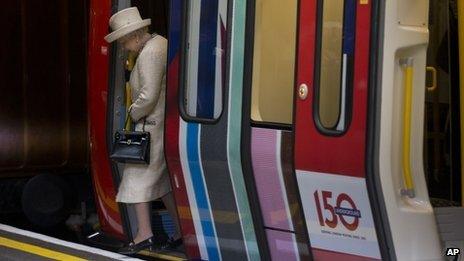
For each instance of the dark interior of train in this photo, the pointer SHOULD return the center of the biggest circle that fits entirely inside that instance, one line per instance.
(442, 121)
(158, 12)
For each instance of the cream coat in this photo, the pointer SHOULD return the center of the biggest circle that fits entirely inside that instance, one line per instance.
(143, 183)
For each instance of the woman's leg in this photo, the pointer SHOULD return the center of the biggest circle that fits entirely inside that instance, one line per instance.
(144, 231)
(168, 201)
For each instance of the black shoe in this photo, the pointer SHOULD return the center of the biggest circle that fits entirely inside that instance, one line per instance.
(172, 244)
(133, 248)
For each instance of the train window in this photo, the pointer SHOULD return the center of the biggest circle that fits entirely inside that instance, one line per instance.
(204, 59)
(274, 61)
(335, 56)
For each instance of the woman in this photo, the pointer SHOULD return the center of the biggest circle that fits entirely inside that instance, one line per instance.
(144, 183)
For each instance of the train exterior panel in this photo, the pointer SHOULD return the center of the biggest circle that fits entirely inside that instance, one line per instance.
(274, 178)
(314, 179)
(206, 158)
(102, 172)
(43, 108)
(330, 164)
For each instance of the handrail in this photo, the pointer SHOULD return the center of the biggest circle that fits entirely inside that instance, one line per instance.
(434, 78)
(407, 66)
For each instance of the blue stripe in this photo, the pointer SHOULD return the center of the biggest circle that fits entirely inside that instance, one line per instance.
(349, 24)
(207, 58)
(200, 191)
(174, 30)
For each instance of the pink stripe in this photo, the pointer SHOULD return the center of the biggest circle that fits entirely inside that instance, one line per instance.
(282, 245)
(263, 148)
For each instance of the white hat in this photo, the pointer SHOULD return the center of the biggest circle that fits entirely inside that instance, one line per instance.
(125, 22)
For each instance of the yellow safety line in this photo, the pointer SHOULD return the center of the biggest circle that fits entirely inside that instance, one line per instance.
(461, 87)
(408, 84)
(162, 256)
(36, 250)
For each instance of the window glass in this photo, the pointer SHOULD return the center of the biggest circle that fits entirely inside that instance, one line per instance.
(205, 58)
(336, 61)
(274, 61)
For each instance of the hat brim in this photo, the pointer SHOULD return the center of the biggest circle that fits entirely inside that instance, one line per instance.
(113, 36)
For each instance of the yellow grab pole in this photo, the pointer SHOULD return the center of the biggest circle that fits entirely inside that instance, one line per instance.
(407, 65)
(434, 78)
(461, 87)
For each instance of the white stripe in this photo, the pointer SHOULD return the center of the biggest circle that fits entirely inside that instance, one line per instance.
(200, 162)
(218, 73)
(59, 242)
(190, 189)
(193, 42)
(281, 179)
(222, 9)
(222, 13)
(341, 122)
(295, 247)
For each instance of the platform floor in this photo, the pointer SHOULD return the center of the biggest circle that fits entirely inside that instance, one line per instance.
(18, 244)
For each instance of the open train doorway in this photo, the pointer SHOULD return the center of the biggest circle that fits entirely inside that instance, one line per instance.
(121, 65)
(442, 124)
(441, 128)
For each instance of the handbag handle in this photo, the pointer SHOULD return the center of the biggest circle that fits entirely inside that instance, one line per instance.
(127, 120)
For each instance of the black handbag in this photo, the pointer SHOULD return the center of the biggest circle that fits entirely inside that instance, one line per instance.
(131, 146)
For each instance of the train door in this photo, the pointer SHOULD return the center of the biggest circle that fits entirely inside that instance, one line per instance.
(353, 145)
(103, 181)
(109, 68)
(331, 129)
(204, 105)
(267, 131)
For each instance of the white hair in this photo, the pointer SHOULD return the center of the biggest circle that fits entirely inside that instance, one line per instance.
(139, 33)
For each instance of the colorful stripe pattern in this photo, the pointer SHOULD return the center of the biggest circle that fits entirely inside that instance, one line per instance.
(272, 152)
(205, 165)
(267, 170)
(197, 190)
(172, 134)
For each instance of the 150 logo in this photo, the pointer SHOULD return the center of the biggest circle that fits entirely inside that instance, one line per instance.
(344, 207)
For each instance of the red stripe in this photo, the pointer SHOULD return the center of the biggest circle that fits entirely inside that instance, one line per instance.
(97, 107)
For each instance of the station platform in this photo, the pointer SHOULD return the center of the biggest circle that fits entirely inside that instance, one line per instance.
(18, 244)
